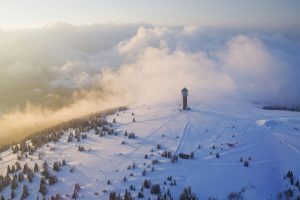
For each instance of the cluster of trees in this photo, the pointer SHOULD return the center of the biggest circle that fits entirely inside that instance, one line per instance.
(54, 133)
(294, 184)
(154, 189)
(166, 154)
(47, 176)
(30, 144)
(81, 148)
(131, 136)
(14, 168)
(279, 107)
(4, 181)
(246, 162)
(235, 196)
(186, 156)
(187, 194)
(16, 177)
(174, 158)
(133, 166)
(44, 137)
(114, 196)
(110, 131)
(155, 161)
(24, 147)
(78, 135)
(58, 164)
(4, 147)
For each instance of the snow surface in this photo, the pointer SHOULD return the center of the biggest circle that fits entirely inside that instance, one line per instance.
(270, 138)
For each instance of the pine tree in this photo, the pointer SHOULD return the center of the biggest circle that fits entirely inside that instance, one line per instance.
(144, 172)
(20, 177)
(36, 167)
(76, 190)
(25, 192)
(140, 195)
(45, 171)
(14, 183)
(12, 194)
(45, 164)
(52, 180)
(15, 149)
(30, 175)
(7, 180)
(25, 168)
(18, 166)
(13, 169)
(127, 195)
(43, 189)
(8, 169)
(297, 183)
(146, 184)
(56, 166)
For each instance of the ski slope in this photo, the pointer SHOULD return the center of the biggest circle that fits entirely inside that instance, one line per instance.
(234, 130)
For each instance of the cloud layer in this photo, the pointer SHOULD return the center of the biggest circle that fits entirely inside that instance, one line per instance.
(63, 71)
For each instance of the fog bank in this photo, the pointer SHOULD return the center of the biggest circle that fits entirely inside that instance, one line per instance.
(63, 71)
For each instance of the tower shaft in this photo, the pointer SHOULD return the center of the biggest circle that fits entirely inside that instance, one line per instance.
(184, 105)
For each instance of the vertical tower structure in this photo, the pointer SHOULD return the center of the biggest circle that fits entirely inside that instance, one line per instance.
(184, 93)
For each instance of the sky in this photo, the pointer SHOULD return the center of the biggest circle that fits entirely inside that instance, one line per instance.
(24, 13)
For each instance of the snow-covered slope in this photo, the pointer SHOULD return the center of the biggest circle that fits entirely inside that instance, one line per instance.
(269, 140)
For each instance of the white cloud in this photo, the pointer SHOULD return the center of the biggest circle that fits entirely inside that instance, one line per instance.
(127, 64)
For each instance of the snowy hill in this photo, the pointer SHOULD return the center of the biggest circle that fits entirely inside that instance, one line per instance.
(222, 139)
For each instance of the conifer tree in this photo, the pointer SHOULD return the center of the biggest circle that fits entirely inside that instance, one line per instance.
(12, 194)
(43, 189)
(20, 177)
(36, 167)
(14, 183)
(25, 192)
(8, 169)
(30, 175)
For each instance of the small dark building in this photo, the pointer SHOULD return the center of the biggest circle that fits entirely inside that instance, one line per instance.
(184, 92)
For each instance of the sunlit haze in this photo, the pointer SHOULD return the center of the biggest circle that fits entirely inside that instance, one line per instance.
(27, 13)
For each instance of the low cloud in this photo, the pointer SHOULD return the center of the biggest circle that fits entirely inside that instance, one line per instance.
(18, 124)
(66, 71)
